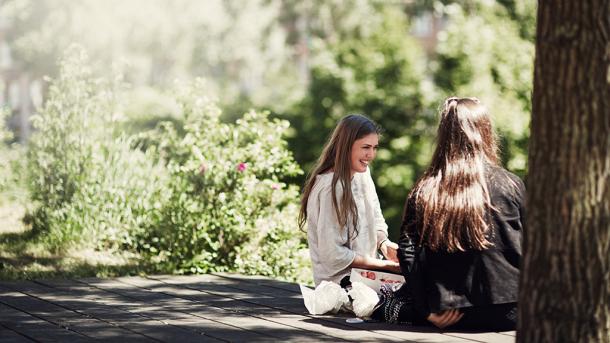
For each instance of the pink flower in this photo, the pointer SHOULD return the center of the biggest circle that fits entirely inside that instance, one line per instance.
(275, 186)
(242, 166)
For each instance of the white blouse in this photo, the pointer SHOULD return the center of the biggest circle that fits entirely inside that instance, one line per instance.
(332, 248)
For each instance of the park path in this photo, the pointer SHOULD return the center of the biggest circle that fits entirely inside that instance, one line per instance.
(198, 308)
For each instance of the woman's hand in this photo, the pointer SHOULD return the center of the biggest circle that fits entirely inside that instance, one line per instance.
(445, 318)
(375, 263)
(389, 250)
(392, 266)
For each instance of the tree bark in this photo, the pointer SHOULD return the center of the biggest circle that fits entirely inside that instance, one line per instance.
(565, 279)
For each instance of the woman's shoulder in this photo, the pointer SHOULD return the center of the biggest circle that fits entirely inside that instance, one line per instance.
(324, 179)
(504, 181)
(501, 172)
(323, 183)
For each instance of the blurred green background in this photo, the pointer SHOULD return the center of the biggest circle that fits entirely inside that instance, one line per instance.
(124, 137)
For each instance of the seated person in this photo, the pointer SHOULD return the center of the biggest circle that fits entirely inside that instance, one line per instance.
(460, 242)
(345, 226)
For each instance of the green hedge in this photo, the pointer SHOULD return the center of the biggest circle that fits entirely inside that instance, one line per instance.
(204, 196)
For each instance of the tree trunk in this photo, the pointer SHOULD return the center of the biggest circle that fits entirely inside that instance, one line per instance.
(565, 279)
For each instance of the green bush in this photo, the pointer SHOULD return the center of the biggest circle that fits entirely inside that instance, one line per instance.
(228, 209)
(89, 188)
(192, 196)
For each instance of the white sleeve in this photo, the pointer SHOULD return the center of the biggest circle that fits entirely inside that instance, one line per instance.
(332, 240)
(381, 227)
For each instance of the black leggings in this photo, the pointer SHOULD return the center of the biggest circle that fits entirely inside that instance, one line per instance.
(398, 307)
(498, 317)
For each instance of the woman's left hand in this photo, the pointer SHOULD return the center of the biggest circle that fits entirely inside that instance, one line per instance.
(445, 318)
(389, 250)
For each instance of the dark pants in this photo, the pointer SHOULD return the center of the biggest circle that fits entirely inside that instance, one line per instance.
(498, 317)
(399, 307)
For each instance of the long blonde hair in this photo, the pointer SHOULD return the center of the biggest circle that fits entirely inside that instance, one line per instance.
(452, 197)
(336, 156)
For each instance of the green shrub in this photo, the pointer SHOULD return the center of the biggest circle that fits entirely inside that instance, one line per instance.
(90, 188)
(277, 250)
(205, 196)
(228, 209)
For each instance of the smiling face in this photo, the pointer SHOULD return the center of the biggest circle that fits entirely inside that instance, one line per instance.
(363, 152)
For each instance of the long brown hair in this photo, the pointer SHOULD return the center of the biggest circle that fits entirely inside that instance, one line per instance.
(452, 197)
(336, 156)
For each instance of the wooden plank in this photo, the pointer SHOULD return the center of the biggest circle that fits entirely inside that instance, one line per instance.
(246, 292)
(175, 310)
(7, 335)
(197, 308)
(256, 309)
(232, 297)
(483, 337)
(247, 282)
(386, 331)
(248, 317)
(209, 283)
(31, 298)
(296, 321)
(120, 315)
(263, 281)
(201, 325)
(36, 328)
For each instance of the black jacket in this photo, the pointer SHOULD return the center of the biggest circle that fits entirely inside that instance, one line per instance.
(441, 280)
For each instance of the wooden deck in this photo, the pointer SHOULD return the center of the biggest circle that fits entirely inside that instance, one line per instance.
(201, 308)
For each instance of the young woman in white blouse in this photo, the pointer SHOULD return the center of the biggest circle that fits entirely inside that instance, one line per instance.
(345, 226)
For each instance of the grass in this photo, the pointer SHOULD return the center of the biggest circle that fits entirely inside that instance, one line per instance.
(22, 256)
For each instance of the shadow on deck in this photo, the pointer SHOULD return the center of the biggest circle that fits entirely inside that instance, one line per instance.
(198, 308)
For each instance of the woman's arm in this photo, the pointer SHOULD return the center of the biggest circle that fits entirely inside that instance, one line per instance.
(409, 237)
(387, 248)
(375, 263)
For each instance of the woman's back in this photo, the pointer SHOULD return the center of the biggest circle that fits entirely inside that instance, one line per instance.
(472, 277)
(460, 244)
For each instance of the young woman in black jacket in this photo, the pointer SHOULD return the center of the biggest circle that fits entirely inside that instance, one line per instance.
(460, 242)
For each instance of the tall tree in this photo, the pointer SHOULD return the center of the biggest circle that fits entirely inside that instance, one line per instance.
(565, 282)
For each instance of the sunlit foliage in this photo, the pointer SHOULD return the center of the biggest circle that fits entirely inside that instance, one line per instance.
(97, 180)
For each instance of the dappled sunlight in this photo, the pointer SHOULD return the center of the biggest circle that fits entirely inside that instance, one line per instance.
(225, 307)
(174, 136)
